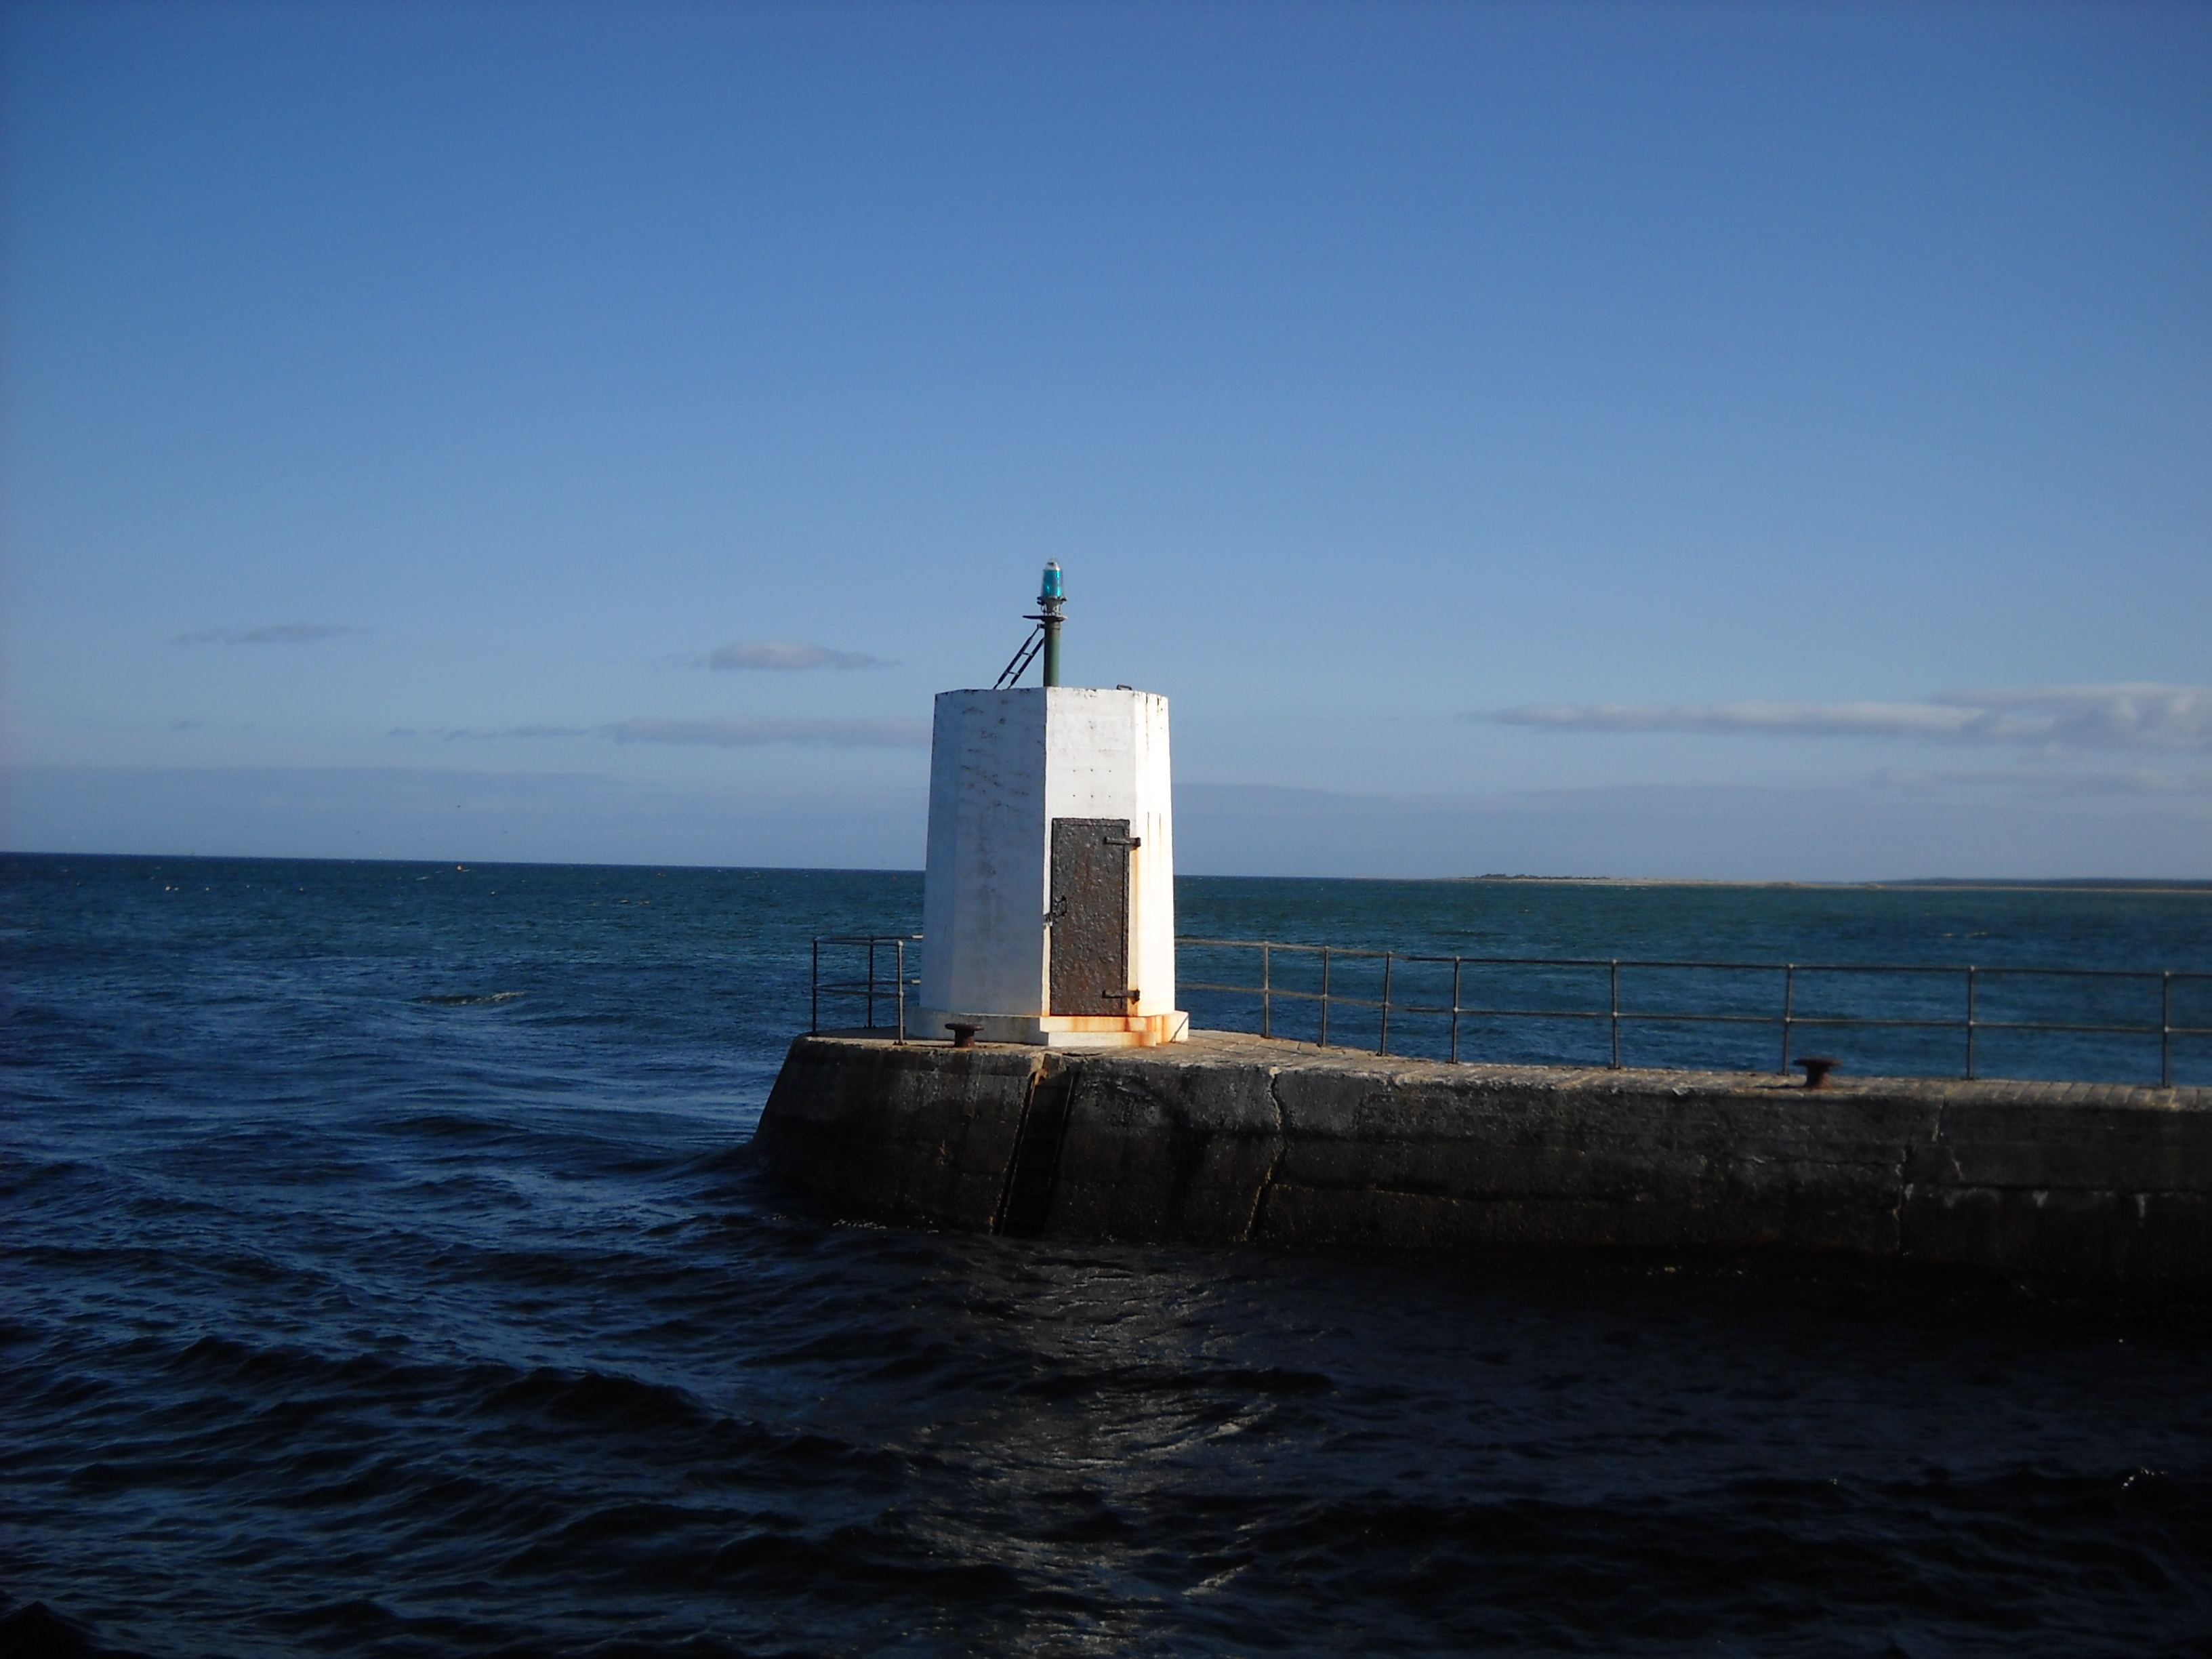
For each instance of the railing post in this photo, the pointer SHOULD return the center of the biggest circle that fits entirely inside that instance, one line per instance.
(1324, 996)
(1267, 994)
(814, 994)
(1969, 1022)
(1455, 967)
(901, 991)
(1383, 1042)
(1613, 973)
(2165, 1030)
(872, 981)
(1789, 1009)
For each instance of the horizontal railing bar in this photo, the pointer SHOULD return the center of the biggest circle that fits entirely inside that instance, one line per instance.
(1529, 1013)
(1277, 990)
(2095, 972)
(1276, 944)
(2038, 1025)
(1397, 1006)
(1655, 1014)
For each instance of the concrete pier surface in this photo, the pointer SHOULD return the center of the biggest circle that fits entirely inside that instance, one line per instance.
(1229, 1139)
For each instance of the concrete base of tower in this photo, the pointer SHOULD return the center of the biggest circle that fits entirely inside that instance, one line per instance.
(1061, 1031)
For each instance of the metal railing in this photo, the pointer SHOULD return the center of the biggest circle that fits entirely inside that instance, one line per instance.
(1788, 1019)
(891, 987)
(886, 981)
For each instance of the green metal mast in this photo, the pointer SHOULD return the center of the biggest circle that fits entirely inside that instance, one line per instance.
(1049, 602)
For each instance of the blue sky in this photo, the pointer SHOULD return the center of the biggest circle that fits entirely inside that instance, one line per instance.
(1717, 441)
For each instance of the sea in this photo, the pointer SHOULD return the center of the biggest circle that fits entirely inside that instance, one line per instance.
(384, 1271)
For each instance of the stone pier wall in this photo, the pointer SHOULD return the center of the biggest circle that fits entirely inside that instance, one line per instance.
(1229, 1138)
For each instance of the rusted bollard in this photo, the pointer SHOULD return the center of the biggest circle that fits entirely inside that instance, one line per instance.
(963, 1035)
(1817, 1067)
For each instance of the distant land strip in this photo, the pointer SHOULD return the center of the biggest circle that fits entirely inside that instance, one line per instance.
(1953, 884)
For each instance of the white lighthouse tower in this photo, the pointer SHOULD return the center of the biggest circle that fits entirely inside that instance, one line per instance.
(1049, 906)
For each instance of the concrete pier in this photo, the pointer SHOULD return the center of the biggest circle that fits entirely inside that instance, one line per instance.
(1229, 1139)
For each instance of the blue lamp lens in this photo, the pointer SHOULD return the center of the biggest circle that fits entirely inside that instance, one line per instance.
(1052, 588)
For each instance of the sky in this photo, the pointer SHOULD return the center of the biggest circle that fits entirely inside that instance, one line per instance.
(1734, 442)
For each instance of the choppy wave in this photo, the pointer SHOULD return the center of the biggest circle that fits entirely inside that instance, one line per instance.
(330, 1326)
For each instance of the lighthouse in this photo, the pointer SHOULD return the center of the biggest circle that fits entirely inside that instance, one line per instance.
(1049, 904)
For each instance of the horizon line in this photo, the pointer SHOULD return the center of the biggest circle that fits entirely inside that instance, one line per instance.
(1954, 884)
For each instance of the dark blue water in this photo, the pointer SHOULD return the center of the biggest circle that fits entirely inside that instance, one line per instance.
(383, 1274)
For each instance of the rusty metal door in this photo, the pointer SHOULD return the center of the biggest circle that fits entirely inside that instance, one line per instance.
(1091, 915)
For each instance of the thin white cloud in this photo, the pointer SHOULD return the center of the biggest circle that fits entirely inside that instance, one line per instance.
(293, 632)
(456, 733)
(1857, 718)
(787, 656)
(2140, 716)
(748, 733)
(731, 733)
(450, 733)
(2054, 718)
